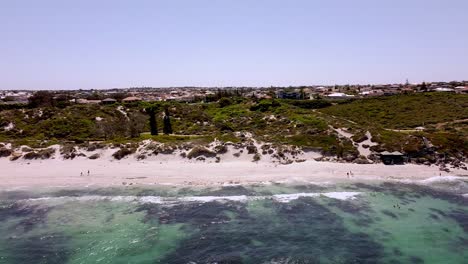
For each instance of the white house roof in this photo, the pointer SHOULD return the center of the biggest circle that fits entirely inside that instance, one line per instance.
(340, 95)
(441, 89)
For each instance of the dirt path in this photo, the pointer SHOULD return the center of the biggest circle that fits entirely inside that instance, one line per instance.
(440, 125)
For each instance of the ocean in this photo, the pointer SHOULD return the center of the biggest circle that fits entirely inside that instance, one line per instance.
(352, 222)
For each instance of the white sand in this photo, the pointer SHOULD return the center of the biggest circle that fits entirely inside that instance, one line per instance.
(177, 171)
(172, 169)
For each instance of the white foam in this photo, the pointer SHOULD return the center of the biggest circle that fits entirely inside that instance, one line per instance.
(342, 195)
(442, 179)
(151, 199)
(205, 199)
(437, 179)
(284, 198)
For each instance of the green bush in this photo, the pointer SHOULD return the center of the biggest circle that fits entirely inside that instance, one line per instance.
(265, 105)
(308, 104)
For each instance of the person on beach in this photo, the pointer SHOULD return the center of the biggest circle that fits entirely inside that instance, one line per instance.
(88, 172)
(81, 173)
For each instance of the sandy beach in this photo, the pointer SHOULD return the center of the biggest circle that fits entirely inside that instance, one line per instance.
(103, 172)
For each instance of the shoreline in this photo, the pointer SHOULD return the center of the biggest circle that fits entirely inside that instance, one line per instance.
(129, 172)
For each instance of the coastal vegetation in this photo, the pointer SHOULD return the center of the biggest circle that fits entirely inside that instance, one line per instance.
(415, 124)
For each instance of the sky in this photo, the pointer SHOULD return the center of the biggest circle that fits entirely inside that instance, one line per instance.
(98, 44)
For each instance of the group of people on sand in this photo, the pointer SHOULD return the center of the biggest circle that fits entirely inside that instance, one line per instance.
(81, 173)
(350, 174)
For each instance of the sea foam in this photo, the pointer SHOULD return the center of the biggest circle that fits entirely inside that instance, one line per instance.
(283, 198)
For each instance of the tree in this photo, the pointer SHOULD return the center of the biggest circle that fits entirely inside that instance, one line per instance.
(151, 109)
(153, 123)
(136, 124)
(119, 96)
(167, 128)
(62, 100)
(223, 102)
(41, 99)
(95, 96)
(424, 87)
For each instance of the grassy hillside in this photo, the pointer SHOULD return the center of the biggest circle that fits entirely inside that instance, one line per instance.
(392, 121)
(404, 111)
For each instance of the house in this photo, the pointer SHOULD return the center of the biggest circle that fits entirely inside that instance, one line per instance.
(443, 89)
(340, 96)
(389, 92)
(391, 158)
(461, 89)
(109, 101)
(131, 99)
(284, 94)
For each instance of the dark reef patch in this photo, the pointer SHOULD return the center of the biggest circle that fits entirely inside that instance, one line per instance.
(250, 238)
(25, 248)
(461, 217)
(360, 210)
(440, 212)
(397, 252)
(228, 191)
(193, 213)
(29, 216)
(416, 260)
(44, 249)
(16, 195)
(309, 188)
(434, 216)
(390, 214)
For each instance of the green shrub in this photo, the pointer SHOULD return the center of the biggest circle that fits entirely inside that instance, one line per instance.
(200, 151)
(265, 105)
(308, 104)
(123, 152)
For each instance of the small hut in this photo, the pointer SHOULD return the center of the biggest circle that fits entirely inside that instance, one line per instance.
(391, 158)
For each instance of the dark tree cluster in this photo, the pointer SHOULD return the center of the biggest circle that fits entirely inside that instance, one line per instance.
(167, 127)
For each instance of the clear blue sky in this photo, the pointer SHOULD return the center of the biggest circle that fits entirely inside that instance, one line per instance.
(59, 44)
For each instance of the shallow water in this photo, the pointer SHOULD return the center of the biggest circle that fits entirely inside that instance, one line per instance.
(296, 223)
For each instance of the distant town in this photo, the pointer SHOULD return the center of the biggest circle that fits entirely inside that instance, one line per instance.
(203, 94)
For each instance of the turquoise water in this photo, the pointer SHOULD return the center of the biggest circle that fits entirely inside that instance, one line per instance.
(343, 223)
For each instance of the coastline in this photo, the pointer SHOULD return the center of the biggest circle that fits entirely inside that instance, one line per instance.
(56, 173)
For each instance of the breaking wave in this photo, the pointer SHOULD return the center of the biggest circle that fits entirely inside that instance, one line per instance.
(283, 198)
